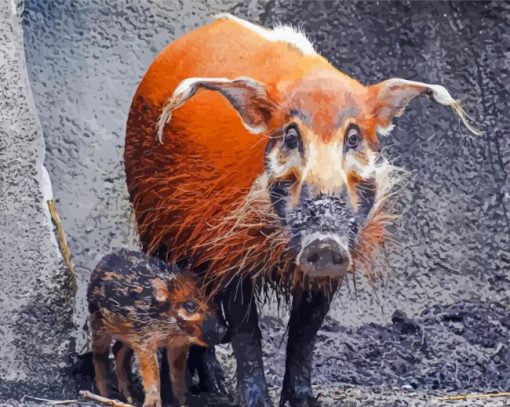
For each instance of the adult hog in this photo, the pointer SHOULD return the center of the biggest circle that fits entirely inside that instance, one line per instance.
(252, 157)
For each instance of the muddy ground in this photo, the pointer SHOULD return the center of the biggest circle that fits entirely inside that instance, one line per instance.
(458, 349)
(439, 323)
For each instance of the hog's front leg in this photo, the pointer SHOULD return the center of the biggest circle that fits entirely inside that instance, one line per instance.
(242, 318)
(308, 311)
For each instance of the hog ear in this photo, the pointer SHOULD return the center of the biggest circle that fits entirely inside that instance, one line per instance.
(247, 96)
(160, 290)
(392, 96)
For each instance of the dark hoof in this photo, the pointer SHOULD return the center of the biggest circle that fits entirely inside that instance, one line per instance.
(195, 389)
(259, 402)
(252, 392)
(299, 401)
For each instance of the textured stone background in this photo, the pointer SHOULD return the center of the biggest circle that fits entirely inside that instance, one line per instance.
(85, 59)
(36, 295)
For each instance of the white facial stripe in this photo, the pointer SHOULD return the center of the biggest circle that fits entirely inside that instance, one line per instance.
(188, 317)
(328, 168)
(362, 169)
(277, 169)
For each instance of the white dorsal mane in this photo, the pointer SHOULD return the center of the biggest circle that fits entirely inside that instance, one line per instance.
(283, 33)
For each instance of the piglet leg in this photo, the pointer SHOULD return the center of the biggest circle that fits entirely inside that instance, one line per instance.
(149, 370)
(100, 350)
(177, 354)
(122, 369)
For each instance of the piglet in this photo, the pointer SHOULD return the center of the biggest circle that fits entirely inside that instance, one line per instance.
(144, 305)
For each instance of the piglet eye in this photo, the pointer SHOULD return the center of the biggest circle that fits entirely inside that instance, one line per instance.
(291, 137)
(353, 138)
(190, 306)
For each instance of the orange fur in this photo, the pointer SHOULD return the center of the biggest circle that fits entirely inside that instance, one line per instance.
(191, 194)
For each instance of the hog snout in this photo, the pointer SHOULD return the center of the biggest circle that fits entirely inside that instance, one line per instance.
(322, 255)
(324, 230)
(213, 330)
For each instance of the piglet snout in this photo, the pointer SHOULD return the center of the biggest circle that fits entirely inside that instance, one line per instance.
(213, 331)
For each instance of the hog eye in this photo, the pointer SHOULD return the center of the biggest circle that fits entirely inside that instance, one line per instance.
(291, 137)
(353, 139)
(190, 306)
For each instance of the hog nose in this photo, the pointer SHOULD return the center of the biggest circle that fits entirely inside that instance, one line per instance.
(324, 258)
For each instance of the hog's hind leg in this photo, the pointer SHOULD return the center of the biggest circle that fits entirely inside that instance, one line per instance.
(242, 318)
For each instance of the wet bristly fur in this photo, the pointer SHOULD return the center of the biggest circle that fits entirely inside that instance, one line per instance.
(251, 242)
(201, 193)
(374, 231)
(238, 234)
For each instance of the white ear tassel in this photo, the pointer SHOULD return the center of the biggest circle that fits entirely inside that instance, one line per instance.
(464, 117)
(441, 95)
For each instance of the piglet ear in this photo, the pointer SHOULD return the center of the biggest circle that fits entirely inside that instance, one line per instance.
(160, 290)
(247, 96)
(391, 97)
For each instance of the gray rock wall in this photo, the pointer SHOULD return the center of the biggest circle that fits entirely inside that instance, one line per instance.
(37, 297)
